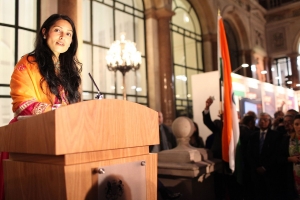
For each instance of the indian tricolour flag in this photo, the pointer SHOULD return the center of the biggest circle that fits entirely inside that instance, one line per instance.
(230, 132)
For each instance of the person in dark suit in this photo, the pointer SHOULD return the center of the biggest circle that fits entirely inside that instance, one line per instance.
(262, 154)
(220, 179)
(166, 141)
(216, 128)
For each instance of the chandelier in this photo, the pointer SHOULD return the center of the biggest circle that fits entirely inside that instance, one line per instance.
(122, 56)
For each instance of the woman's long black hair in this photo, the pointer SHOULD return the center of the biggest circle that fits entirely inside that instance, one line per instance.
(70, 68)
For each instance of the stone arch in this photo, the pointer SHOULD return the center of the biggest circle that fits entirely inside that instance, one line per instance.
(296, 41)
(206, 16)
(238, 26)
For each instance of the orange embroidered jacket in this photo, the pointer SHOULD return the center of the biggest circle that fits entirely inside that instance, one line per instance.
(26, 92)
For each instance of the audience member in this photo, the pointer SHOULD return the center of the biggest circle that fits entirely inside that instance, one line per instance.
(195, 139)
(288, 157)
(278, 121)
(252, 113)
(292, 112)
(166, 141)
(288, 125)
(166, 137)
(262, 154)
(294, 152)
(217, 130)
(247, 129)
(210, 139)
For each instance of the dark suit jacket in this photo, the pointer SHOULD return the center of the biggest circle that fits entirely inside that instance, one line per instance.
(216, 147)
(268, 156)
(170, 138)
(285, 173)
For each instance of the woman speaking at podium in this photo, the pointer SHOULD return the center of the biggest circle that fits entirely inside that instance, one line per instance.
(47, 77)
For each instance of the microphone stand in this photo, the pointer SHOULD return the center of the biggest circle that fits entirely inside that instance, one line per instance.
(99, 95)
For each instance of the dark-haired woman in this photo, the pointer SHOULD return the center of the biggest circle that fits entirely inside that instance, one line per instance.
(289, 161)
(49, 76)
(195, 139)
(294, 153)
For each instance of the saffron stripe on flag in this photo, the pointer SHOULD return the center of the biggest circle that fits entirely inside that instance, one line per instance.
(230, 132)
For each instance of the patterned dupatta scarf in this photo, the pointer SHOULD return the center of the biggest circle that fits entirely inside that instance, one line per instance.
(26, 92)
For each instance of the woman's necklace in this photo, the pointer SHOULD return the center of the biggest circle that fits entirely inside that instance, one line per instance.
(57, 66)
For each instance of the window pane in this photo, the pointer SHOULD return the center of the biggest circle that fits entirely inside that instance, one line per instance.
(131, 99)
(7, 49)
(138, 4)
(27, 13)
(190, 72)
(180, 82)
(182, 4)
(142, 100)
(140, 35)
(124, 24)
(183, 19)
(128, 2)
(88, 96)
(86, 22)
(199, 56)
(141, 75)
(103, 77)
(195, 22)
(5, 111)
(190, 49)
(26, 42)
(86, 67)
(102, 25)
(4, 90)
(178, 50)
(7, 12)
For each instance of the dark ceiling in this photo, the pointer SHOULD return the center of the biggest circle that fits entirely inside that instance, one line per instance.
(269, 4)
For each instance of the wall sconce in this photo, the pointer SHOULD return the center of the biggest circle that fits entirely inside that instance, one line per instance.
(122, 56)
(244, 65)
(264, 72)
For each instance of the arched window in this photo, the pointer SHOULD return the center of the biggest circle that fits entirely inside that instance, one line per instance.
(18, 25)
(187, 54)
(103, 23)
(232, 46)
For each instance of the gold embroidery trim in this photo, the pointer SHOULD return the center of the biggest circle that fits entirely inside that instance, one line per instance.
(24, 106)
(39, 108)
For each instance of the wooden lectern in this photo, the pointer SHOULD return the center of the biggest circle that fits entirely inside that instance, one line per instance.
(56, 155)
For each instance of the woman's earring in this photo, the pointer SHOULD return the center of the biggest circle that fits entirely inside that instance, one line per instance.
(44, 36)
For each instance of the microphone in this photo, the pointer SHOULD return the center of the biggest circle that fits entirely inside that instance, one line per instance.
(99, 95)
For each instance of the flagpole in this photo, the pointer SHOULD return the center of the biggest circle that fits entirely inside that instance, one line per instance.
(220, 65)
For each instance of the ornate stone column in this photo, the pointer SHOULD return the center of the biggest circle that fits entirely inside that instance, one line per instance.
(295, 73)
(166, 74)
(268, 66)
(153, 59)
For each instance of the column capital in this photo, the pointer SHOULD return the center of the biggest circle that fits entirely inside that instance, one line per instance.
(293, 55)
